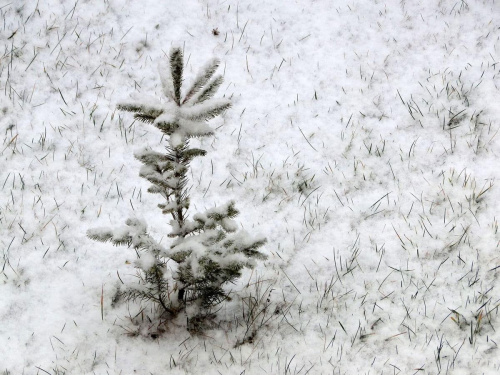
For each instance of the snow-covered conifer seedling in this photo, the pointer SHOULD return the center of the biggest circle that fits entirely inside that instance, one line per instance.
(209, 250)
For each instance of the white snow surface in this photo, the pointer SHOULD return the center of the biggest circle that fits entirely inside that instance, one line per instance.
(362, 143)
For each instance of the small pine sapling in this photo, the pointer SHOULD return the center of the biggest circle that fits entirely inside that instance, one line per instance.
(209, 249)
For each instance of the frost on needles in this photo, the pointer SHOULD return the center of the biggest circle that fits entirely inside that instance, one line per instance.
(208, 249)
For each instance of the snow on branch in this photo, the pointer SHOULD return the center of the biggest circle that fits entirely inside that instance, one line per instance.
(133, 234)
(185, 119)
(206, 111)
(202, 78)
(209, 91)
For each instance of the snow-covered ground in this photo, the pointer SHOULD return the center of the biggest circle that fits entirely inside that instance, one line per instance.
(362, 142)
